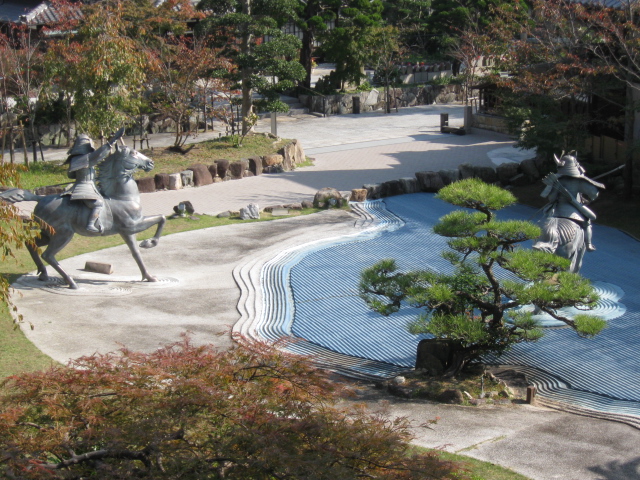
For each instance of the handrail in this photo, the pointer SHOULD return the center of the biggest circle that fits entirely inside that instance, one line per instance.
(324, 99)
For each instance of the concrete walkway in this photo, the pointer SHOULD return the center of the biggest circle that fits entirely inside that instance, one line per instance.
(198, 292)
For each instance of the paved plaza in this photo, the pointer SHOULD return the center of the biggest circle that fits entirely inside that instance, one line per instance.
(246, 276)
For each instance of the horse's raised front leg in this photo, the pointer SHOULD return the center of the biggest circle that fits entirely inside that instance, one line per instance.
(57, 242)
(130, 240)
(148, 222)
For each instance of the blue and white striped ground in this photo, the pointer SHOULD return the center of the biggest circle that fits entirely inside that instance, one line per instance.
(311, 294)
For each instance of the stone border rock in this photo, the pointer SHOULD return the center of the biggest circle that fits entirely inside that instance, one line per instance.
(287, 158)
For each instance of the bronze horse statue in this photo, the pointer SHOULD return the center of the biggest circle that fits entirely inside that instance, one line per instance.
(60, 218)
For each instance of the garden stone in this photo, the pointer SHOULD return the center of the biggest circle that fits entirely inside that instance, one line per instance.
(358, 195)
(429, 181)
(486, 174)
(521, 180)
(327, 197)
(201, 175)
(449, 176)
(255, 165)
(223, 167)
(237, 169)
(451, 396)
(373, 191)
(506, 171)
(175, 181)
(391, 188)
(307, 204)
(213, 170)
(466, 171)
(187, 178)
(272, 159)
(251, 211)
(162, 181)
(146, 184)
(433, 355)
(409, 185)
(529, 168)
(226, 214)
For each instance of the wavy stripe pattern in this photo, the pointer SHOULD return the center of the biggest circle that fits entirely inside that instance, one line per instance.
(309, 294)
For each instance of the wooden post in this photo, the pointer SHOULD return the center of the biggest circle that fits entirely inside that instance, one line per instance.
(24, 145)
(531, 394)
(4, 138)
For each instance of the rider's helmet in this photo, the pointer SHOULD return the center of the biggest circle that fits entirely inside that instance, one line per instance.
(568, 165)
(81, 146)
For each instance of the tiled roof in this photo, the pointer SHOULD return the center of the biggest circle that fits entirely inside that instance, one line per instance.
(12, 10)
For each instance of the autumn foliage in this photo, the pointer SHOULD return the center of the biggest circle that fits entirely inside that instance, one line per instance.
(190, 412)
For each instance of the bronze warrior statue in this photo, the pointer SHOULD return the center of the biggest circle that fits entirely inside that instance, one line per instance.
(82, 160)
(567, 230)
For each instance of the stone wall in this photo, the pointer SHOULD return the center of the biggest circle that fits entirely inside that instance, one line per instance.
(374, 99)
(288, 157)
(505, 175)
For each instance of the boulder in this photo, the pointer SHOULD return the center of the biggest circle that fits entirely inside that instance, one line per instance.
(486, 174)
(451, 396)
(175, 181)
(543, 165)
(201, 175)
(255, 165)
(327, 198)
(521, 180)
(358, 194)
(528, 167)
(162, 181)
(251, 211)
(409, 185)
(433, 355)
(307, 204)
(391, 188)
(466, 171)
(373, 191)
(187, 178)
(429, 181)
(506, 171)
(146, 185)
(213, 170)
(247, 173)
(237, 169)
(272, 159)
(292, 154)
(223, 167)
(449, 176)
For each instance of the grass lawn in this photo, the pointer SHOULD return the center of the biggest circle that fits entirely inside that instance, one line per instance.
(166, 161)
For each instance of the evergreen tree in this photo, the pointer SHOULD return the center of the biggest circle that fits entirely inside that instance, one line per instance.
(473, 306)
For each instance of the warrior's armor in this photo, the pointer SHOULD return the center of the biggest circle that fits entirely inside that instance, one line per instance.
(570, 197)
(83, 158)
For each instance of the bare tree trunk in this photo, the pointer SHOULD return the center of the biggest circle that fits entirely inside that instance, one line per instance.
(247, 39)
(629, 119)
(11, 149)
(33, 140)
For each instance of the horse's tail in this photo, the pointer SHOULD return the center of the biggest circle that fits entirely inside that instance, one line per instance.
(16, 195)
